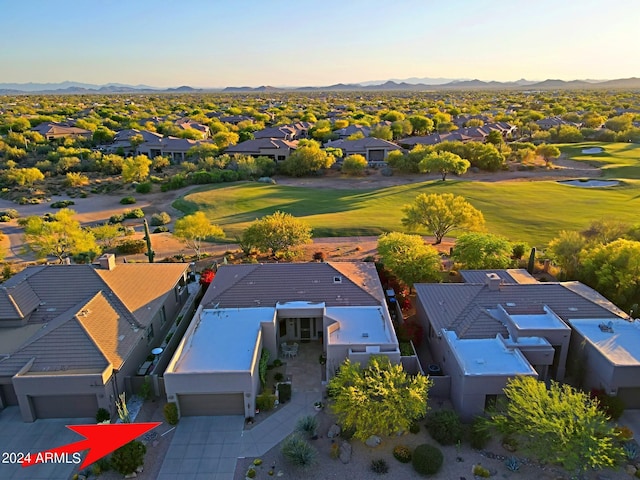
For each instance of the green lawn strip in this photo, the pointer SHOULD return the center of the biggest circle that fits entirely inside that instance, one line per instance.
(522, 211)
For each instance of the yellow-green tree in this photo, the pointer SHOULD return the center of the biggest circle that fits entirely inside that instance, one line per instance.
(441, 214)
(558, 424)
(135, 169)
(308, 159)
(444, 163)
(280, 233)
(409, 258)
(354, 165)
(61, 237)
(380, 399)
(194, 229)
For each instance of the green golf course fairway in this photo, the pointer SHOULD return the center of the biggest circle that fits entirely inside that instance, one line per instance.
(529, 211)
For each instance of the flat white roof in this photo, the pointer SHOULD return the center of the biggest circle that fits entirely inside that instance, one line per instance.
(487, 356)
(538, 321)
(356, 321)
(527, 342)
(223, 340)
(620, 347)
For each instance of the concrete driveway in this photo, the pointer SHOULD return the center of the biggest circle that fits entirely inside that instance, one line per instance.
(17, 436)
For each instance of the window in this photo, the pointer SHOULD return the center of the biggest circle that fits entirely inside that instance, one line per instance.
(283, 328)
(163, 316)
(149, 333)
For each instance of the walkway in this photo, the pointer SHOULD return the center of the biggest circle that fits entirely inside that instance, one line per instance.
(208, 447)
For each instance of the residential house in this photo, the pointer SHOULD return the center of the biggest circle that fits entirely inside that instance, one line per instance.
(54, 131)
(554, 122)
(71, 335)
(187, 123)
(344, 133)
(251, 308)
(275, 148)
(122, 140)
(498, 324)
(174, 148)
(375, 150)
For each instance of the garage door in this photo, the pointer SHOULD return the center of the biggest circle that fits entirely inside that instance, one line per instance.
(65, 406)
(630, 397)
(218, 404)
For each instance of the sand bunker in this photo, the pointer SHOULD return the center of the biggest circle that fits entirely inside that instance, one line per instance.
(592, 150)
(590, 183)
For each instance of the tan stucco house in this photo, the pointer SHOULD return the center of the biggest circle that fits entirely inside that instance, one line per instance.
(249, 308)
(70, 335)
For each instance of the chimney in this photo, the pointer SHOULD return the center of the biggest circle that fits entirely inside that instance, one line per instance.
(493, 281)
(107, 261)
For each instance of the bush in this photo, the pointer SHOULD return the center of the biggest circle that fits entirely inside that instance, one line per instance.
(414, 428)
(277, 362)
(308, 424)
(10, 214)
(278, 376)
(427, 459)
(171, 413)
(160, 230)
(117, 218)
(145, 390)
(144, 187)
(298, 451)
(62, 204)
(129, 457)
(444, 426)
(128, 200)
(284, 392)
(480, 471)
(319, 256)
(402, 453)
(131, 247)
(265, 402)
(613, 407)
(135, 213)
(161, 218)
(102, 415)
(379, 466)
(479, 434)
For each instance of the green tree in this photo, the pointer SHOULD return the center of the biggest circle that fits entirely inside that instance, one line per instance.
(421, 124)
(443, 163)
(409, 258)
(103, 135)
(441, 214)
(129, 457)
(482, 250)
(565, 251)
(613, 270)
(61, 237)
(620, 124)
(354, 165)
(559, 424)
(280, 233)
(381, 399)
(308, 159)
(135, 169)
(106, 234)
(382, 132)
(548, 153)
(495, 138)
(194, 229)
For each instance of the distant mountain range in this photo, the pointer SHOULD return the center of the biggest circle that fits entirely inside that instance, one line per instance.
(409, 84)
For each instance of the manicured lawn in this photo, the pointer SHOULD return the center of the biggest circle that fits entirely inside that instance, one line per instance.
(531, 211)
(618, 160)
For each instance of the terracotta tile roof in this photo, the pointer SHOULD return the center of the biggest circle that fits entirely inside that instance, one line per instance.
(335, 284)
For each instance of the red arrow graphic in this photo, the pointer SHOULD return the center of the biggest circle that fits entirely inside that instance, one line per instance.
(100, 440)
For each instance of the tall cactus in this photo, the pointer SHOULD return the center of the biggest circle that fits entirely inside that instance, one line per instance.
(532, 261)
(147, 236)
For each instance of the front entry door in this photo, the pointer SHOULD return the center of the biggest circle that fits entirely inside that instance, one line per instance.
(305, 329)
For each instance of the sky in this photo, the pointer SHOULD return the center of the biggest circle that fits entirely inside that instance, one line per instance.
(214, 43)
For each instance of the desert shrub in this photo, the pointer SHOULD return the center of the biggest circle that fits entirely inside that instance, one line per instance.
(613, 407)
(265, 402)
(480, 471)
(278, 376)
(128, 458)
(128, 200)
(402, 453)
(177, 181)
(414, 428)
(444, 426)
(284, 392)
(298, 451)
(4, 219)
(427, 459)
(161, 218)
(102, 415)
(479, 434)
(135, 213)
(145, 390)
(12, 213)
(379, 466)
(307, 424)
(62, 204)
(117, 218)
(347, 433)
(73, 179)
(144, 187)
(131, 247)
(160, 229)
(277, 362)
(251, 473)
(623, 433)
(170, 411)
(319, 256)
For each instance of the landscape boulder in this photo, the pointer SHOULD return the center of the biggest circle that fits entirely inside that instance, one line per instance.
(345, 452)
(334, 431)
(373, 441)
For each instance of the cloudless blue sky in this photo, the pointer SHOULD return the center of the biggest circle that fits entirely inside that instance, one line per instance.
(213, 43)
